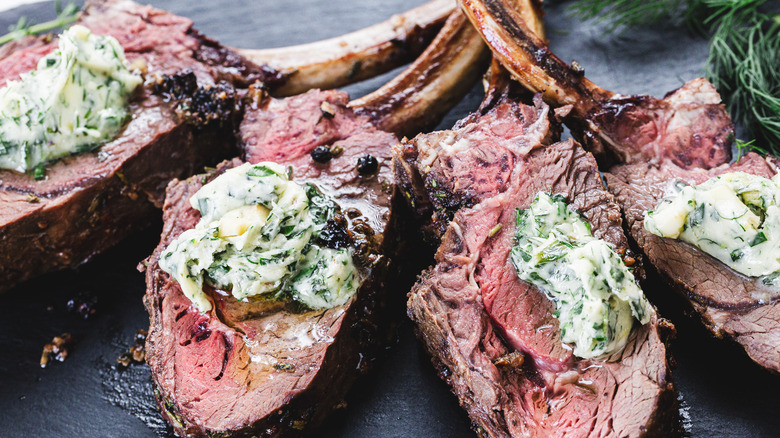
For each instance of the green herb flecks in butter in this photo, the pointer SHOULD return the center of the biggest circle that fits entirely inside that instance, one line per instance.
(76, 99)
(255, 237)
(734, 217)
(595, 295)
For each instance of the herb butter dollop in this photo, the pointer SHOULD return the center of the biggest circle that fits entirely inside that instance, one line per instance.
(256, 237)
(734, 217)
(595, 295)
(73, 101)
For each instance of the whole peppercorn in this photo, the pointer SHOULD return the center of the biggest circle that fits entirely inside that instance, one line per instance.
(321, 154)
(367, 164)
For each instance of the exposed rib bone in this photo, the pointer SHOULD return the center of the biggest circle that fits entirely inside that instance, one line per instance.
(439, 78)
(355, 56)
(527, 57)
(532, 64)
(531, 13)
(631, 128)
(497, 80)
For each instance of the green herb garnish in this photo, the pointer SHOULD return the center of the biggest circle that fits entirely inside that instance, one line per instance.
(65, 16)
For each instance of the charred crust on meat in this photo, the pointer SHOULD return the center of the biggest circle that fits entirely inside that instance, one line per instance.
(335, 234)
(240, 71)
(541, 54)
(198, 105)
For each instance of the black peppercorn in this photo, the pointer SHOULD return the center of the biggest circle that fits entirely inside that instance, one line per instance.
(367, 164)
(321, 154)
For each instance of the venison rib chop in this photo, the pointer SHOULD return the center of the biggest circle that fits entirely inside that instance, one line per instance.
(491, 336)
(242, 369)
(646, 144)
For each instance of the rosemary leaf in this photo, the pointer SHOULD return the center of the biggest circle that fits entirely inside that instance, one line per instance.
(65, 16)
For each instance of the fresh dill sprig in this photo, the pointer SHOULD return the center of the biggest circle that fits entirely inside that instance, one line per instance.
(744, 65)
(743, 60)
(65, 16)
(744, 147)
(627, 13)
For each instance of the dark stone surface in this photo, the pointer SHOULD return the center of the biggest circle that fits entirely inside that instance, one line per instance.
(724, 394)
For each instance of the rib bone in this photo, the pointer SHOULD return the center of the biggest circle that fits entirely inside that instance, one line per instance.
(355, 56)
(427, 89)
(439, 78)
(527, 57)
(630, 128)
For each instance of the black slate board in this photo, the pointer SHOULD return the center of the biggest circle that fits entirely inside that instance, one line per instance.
(723, 393)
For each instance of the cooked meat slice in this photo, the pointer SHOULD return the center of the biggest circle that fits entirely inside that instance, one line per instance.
(266, 366)
(271, 368)
(443, 171)
(685, 136)
(473, 312)
(729, 303)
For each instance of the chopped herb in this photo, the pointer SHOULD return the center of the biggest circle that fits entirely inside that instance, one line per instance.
(65, 16)
(760, 238)
(493, 231)
(39, 173)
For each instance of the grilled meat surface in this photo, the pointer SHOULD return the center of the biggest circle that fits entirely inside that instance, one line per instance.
(443, 171)
(262, 380)
(266, 368)
(729, 303)
(88, 202)
(615, 128)
(492, 337)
